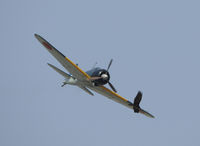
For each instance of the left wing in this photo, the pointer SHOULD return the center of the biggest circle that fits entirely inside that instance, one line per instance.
(66, 63)
(116, 97)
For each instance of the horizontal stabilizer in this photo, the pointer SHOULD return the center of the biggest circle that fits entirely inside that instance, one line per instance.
(65, 75)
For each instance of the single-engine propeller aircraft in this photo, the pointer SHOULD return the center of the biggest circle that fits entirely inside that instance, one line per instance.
(94, 79)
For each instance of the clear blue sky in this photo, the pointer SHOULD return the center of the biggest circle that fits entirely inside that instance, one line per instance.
(156, 49)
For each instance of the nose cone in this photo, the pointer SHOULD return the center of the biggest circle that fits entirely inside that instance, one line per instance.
(104, 76)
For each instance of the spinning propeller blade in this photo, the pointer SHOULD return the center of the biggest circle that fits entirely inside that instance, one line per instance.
(110, 64)
(95, 78)
(112, 87)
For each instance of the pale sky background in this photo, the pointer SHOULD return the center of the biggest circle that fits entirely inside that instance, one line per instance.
(156, 49)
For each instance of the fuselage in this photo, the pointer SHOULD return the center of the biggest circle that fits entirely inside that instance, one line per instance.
(101, 76)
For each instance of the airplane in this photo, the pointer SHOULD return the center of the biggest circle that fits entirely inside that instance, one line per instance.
(94, 79)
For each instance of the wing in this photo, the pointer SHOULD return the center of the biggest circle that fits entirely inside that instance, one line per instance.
(66, 63)
(112, 95)
(116, 97)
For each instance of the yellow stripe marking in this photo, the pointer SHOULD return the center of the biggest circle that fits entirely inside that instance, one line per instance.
(114, 93)
(84, 73)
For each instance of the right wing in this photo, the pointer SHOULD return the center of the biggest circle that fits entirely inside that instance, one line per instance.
(66, 63)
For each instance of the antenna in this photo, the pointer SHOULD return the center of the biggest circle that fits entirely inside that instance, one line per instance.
(94, 65)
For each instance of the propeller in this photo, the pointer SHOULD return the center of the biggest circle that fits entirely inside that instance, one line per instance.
(112, 87)
(95, 78)
(105, 76)
(109, 83)
(110, 64)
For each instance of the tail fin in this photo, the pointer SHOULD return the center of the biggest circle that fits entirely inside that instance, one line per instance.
(136, 105)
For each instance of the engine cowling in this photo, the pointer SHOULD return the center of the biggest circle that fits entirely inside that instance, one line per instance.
(105, 77)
